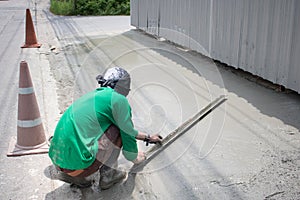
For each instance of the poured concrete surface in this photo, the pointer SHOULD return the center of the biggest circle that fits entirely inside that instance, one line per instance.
(248, 148)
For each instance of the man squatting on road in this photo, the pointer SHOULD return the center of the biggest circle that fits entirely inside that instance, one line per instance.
(92, 131)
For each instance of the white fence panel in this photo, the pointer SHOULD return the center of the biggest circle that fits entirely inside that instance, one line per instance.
(258, 36)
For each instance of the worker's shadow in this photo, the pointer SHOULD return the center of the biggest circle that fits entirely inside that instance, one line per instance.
(121, 190)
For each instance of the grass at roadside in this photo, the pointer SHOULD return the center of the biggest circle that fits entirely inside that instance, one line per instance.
(62, 7)
(90, 7)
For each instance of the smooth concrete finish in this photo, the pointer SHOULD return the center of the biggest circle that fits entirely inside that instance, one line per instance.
(248, 148)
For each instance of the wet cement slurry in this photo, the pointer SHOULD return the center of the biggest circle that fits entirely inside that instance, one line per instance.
(248, 148)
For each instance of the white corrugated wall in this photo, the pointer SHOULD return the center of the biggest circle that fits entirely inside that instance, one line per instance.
(258, 36)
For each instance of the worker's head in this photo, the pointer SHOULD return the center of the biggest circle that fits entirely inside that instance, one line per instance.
(116, 78)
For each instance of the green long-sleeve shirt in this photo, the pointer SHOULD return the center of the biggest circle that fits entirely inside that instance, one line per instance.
(75, 141)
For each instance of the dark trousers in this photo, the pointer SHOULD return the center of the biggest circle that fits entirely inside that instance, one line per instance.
(109, 146)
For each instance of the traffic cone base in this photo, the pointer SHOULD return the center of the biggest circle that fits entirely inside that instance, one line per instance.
(31, 46)
(15, 150)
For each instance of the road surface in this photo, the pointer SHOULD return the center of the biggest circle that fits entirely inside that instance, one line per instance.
(248, 148)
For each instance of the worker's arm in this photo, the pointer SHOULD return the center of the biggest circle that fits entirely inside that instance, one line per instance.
(152, 138)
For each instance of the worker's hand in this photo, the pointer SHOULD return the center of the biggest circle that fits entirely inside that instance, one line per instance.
(140, 158)
(155, 139)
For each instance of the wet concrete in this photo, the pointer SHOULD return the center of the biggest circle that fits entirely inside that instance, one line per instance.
(248, 148)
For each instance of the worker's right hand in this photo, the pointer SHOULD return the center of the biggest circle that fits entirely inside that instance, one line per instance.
(140, 158)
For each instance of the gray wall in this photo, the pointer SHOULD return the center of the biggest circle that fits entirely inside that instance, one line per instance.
(258, 36)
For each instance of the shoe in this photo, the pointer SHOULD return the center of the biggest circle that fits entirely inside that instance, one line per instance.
(109, 177)
(78, 181)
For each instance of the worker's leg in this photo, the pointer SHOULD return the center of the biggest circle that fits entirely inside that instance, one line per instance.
(111, 144)
(108, 152)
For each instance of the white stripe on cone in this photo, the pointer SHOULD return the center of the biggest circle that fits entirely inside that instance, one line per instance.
(29, 123)
(28, 90)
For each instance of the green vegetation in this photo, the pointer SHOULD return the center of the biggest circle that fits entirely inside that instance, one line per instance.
(62, 7)
(90, 7)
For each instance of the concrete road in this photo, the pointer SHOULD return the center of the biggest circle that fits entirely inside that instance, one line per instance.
(248, 148)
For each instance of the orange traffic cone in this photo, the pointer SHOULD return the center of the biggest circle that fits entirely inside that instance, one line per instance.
(30, 38)
(31, 137)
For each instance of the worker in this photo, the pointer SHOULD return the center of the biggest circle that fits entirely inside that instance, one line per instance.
(92, 131)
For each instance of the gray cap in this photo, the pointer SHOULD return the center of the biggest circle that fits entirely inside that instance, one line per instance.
(116, 78)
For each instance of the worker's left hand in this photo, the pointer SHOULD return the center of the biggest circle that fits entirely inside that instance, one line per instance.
(156, 139)
(140, 158)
